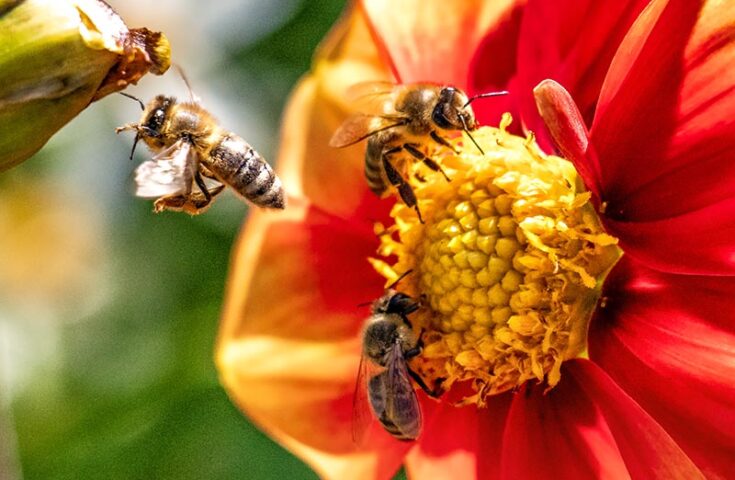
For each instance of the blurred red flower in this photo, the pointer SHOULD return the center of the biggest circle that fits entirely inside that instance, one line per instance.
(651, 132)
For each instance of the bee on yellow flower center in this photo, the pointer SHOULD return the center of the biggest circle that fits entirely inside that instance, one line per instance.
(508, 265)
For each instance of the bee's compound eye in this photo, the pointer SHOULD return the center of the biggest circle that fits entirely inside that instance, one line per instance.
(155, 121)
(439, 115)
(447, 93)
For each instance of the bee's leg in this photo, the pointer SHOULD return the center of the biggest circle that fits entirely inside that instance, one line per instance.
(196, 200)
(409, 354)
(442, 141)
(418, 154)
(174, 203)
(207, 172)
(135, 144)
(436, 392)
(127, 126)
(193, 204)
(202, 186)
(409, 198)
(404, 189)
(131, 126)
(208, 194)
(217, 190)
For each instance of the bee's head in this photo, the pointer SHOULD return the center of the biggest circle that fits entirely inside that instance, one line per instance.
(395, 302)
(154, 115)
(452, 111)
(150, 127)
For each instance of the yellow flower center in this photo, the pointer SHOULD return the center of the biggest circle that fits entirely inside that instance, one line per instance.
(508, 265)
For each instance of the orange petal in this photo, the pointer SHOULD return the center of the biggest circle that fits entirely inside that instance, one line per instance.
(300, 394)
(333, 179)
(300, 274)
(288, 349)
(434, 40)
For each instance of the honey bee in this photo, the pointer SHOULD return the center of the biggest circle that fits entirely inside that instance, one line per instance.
(190, 146)
(388, 342)
(406, 118)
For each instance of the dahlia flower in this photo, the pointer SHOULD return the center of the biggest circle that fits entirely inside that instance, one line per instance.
(576, 276)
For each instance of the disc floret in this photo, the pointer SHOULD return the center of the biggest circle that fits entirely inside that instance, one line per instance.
(508, 265)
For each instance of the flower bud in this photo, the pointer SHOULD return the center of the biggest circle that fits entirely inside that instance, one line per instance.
(58, 56)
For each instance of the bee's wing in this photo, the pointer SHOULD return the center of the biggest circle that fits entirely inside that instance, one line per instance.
(361, 412)
(374, 97)
(360, 90)
(402, 404)
(168, 173)
(360, 126)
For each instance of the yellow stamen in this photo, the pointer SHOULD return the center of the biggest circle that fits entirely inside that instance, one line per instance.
(508, 264)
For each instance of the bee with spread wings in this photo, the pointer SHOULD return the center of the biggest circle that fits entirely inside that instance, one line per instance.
(168, 177)
(192, 148)
(405, 118)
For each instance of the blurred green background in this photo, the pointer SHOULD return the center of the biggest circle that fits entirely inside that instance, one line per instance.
(108, 313)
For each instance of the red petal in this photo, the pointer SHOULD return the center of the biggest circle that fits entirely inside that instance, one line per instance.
(669, 342)
(460, 442)
(648, 451)
(572, 42)
(567, 129)
(493, 68)
(587, 427)
(558, 435)
(699, 242)
(664, 130)
(433, 40)
(288, 348)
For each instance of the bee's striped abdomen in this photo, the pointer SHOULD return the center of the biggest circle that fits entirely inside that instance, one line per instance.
(238, 165)
(373, 165)
(395, 406)
(405, 433)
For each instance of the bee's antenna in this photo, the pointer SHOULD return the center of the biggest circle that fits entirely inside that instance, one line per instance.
(142, 105)
(467, 131)
(404, 275)
(485, 95)
(183, 76)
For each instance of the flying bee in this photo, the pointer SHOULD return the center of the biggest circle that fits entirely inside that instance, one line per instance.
(190, 146)
(388, 342)
(407, 117)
